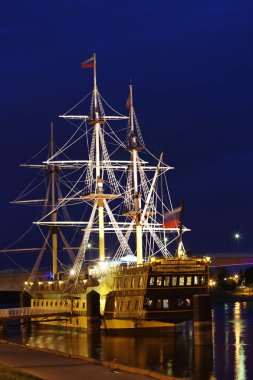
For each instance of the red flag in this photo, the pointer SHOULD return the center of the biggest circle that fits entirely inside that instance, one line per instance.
(173, 223)
(89, 64)
(171, 219)
(128, 102)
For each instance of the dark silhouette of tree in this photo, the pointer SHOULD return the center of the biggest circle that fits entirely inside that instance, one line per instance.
(248, 275)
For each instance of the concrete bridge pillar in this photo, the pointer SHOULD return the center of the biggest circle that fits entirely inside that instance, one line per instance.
(202, 317)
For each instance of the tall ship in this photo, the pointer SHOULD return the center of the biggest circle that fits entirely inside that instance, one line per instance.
(130, 271)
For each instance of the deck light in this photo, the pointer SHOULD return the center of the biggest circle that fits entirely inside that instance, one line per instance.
(103, 265)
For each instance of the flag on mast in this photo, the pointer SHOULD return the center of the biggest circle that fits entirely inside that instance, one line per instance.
(128, 102)
(89, 64)
(171, 218)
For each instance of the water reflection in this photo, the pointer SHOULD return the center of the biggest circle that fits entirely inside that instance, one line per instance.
(174, 355)
(240, 370)
(233, 335)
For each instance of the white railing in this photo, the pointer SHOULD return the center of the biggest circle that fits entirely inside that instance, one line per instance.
(28, 311)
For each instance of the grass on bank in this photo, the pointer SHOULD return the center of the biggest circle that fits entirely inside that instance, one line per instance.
(7, 373)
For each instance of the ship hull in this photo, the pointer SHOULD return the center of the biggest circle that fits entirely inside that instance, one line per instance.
(154, 297)
(137, 327)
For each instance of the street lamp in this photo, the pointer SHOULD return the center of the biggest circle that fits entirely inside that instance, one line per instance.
(237, 237)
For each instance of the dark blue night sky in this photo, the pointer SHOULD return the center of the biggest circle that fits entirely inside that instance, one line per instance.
(191, 63)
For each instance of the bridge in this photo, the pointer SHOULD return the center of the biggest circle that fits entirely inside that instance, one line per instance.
(232, 259)
(13, 280)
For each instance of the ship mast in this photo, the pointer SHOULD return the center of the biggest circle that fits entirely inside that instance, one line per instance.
(137, 197)
(99, 180)
(54, 212)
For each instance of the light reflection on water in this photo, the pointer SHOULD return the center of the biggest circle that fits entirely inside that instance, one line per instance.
(175, 355)
(233, 337)
(157, 353)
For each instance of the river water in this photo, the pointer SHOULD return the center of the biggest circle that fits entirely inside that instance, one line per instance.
(230, 357)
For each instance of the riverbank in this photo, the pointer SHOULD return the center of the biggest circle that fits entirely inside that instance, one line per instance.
(8, 373)
(53, 365)
(235, 296)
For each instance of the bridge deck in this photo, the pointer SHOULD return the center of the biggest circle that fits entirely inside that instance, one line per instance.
(231, 261)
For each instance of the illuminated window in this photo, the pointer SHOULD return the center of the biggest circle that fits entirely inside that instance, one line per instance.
(132, 282)
(166, 303)
(180, 302)
(152, 281)
(125, 283)
(174, 281)
(140, 282)
(159, 281)
(166, 281)
(188, 280)
(158, 304)
(147, 302)
(202, 280)
(181, 281)
(188, 302)
(196, 280)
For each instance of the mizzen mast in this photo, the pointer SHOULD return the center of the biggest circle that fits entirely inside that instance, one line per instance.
(54, 212)
(133, 148)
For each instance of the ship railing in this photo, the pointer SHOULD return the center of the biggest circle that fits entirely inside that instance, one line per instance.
(28, 311)
(80, 313)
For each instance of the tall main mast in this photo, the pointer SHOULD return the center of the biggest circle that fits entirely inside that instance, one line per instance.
(99, 180)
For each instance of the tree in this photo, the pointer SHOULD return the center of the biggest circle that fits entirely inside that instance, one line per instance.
(248, 275)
